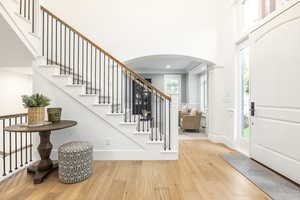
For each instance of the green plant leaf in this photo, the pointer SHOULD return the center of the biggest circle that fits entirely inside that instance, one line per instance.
(35, 100)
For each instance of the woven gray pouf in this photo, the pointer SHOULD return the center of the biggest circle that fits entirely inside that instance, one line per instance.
(75, 162)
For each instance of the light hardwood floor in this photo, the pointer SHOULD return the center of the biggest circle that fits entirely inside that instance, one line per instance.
(199, 174)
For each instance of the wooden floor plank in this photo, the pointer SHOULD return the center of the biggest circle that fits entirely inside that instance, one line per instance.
(199, 174)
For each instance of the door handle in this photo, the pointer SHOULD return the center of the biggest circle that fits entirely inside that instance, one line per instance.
(252, 109)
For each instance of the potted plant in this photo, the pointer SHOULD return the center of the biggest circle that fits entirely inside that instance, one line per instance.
(36, 104)
(54, 114)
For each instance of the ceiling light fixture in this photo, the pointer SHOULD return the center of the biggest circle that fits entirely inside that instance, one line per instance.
(168, 66)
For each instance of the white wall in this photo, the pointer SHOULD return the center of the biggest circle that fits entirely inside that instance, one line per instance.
(135, 28)
(12, 85)
(222, 98)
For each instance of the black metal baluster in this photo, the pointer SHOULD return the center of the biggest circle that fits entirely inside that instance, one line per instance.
(165, 134)
(146, 107)
(4, 150)
(152, 129)
(100, 77)
(30, 135)
(160, 119)
(147, 125)
(29, 10)
(87, 68)
(126, 95)
(21, 144)
(104, 84)
(82, 60)
(122, 97)
(133, 92)
(139, 113)
(139, 110)
(10, 152)
(91, 72)
(33, 16)
(78, 52)
(16, 147)
(25, 8)
(43, 33)
(169, 125)
(21, 4)
(130, 97)
(151, 121)
(69, 65)
(108, 79)
(156, 117)
(56, 42)
(74, 56)
(146, 88)
(143, 106)
(51, 40)
(65, 51)
(118, 88)
(47, 46)
(60, 52)
(95, 72)
(112, 92)
(150, 109)
(26, 144)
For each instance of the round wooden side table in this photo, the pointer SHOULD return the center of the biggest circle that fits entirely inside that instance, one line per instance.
(45, 166)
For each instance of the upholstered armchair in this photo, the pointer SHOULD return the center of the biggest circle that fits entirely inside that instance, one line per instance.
(190, 121)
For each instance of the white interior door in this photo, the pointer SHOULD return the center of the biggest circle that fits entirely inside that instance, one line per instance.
(275, 89)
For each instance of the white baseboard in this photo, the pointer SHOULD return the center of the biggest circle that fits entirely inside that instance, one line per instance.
(217, 138)
(128, 155)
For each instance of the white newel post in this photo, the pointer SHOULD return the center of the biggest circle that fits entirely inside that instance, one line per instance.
(174, 127)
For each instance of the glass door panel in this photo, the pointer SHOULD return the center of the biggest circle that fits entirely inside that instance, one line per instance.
(173, 87)
(245, 95)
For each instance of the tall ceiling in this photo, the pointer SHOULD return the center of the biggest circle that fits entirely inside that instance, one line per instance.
(165, 63)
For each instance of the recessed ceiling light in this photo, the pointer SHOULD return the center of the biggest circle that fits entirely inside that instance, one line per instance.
(168, 66)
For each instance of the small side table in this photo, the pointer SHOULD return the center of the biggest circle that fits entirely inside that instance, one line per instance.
(45, 166)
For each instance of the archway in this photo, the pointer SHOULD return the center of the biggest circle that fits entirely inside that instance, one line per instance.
(185, 79)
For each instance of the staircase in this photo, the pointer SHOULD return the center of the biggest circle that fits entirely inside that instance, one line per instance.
(81, 72)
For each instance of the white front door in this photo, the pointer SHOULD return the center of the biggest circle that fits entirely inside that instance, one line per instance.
(275, 90)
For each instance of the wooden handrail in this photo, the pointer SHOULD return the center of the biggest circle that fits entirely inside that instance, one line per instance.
(136, 75)
(13, 116)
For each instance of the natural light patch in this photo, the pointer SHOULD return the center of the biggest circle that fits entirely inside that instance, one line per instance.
(172, 86)
(244, 61)
(251, 12)
(254, 10)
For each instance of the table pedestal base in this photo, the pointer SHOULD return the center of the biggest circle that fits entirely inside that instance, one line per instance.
(38, 176)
